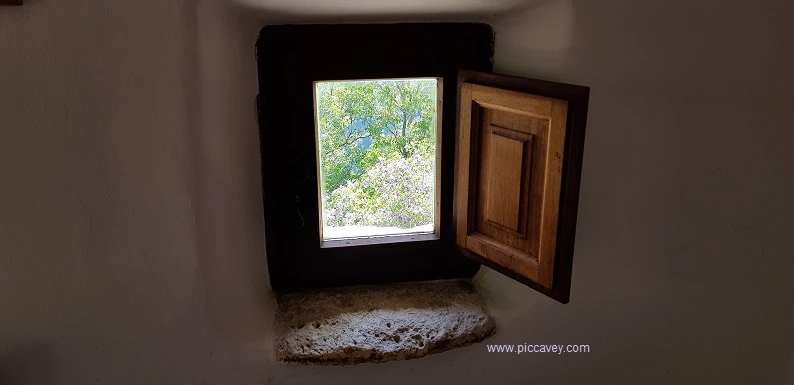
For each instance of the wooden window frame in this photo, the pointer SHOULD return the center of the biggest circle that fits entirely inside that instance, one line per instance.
(291, 58)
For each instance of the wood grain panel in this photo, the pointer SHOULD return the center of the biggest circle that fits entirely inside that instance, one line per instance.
(532, 126)
(555, 118)
(516, 127)
(515, 144)
(535, 187)
(502, 254)
(551, 192)
(511, 101)
(505, 161)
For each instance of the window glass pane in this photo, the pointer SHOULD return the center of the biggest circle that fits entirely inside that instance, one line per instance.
(377, 153)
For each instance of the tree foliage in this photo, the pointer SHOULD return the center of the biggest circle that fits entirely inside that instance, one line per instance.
(396, 192)
(370, 128)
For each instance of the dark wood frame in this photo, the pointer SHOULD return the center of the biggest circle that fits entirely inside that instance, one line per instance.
(11, 2)
(290, 59)
(578, 98)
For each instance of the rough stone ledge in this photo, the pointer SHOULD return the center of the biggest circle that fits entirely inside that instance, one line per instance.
(379, 323)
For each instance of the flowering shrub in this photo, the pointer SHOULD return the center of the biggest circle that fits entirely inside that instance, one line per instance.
(395, 192)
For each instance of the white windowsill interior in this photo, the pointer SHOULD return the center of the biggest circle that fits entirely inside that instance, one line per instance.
(352, 232)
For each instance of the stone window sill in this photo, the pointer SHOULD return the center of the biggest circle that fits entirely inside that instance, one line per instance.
(379, 323)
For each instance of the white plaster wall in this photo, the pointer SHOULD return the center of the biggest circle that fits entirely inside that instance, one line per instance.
(131, 247)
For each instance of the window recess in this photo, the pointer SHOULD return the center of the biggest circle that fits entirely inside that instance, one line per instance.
(506, 154)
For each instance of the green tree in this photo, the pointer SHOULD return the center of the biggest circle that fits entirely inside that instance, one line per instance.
(396, 192)
(362, 122)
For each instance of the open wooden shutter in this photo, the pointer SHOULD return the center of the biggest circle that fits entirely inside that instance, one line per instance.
(518, 168)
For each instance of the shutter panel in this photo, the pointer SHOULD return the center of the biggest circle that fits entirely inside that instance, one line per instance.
(511, 148)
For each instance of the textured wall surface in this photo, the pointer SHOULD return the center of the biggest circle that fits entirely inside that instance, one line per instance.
(379, 323)
(131, 246)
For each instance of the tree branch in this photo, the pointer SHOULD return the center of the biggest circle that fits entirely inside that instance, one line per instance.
(348, 142)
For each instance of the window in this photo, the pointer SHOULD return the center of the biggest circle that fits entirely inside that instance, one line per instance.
(500, 178)
(376, 149)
